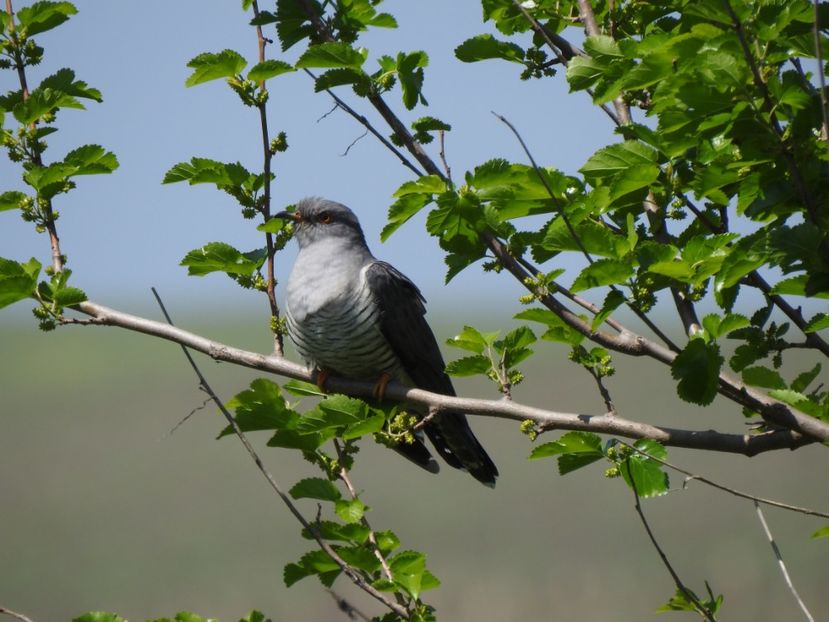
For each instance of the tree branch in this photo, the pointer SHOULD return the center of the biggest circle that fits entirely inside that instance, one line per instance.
(745, 444)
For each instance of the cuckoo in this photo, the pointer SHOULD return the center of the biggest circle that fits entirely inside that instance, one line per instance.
(350, 314)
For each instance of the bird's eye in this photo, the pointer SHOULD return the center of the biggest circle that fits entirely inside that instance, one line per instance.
(324, 218)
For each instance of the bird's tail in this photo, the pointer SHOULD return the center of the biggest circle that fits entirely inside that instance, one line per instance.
(453, 439)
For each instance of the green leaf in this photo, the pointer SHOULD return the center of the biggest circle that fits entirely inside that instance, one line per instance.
(408, 569)
(647, 474)
(697, 368)
(298, 387)
(602, 272)
(260, 407)
(207, 171)
(351, 511)
(269, 69)
(315, 488)
(410, 73)
(763, 377)
(374, 423)
(803, 380)
(221, 257)
(17, 281)
(575, 450)
(617, 159)
(340, 76)
(583, 72)
(402, 210)
(472, 339)
(312, 563)
(821, 533)
(612, 301)
(331, 54)
(91, 160)
(43, 16)
(209, 66)
(99, 616)
(12, 199)
(482, 47)
(818, 322)
(602, 47)
(469, 366)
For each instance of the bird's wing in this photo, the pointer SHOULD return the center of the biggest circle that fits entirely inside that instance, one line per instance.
(403, 324)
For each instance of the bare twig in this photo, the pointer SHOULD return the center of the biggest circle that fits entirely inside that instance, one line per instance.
(267, 155)
(354, 142)
(782, 565)
(442, 154)
(745, 444)
(689, 595)
(367, 124)
(350, 572)
(732, 491)
(346, 607)
(14, 614)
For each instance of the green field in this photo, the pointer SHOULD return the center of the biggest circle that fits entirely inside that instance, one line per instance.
(103, 508)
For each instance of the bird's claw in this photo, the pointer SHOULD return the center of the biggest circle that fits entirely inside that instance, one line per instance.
(379, 391)
(321, 378)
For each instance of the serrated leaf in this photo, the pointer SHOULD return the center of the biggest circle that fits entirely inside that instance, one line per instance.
(315, 488)
(583, 72)
(17, 281)
(260, 407)
(575, 450)
(330, 55)
(819, 322)
(469, 366)
(43, 16)
(763, 377)
(472, 339)
(697, 368)
(403, 209)
(269, 69)
(602, 272)
(350, 511)
(91, 160)
(806, 378)
(408, 569)
(12, 199)
(340, 76)
(213, 66)
(372, 424)
(410, 73)
(330, 530)
(647, 474)
(483, 47)
(221, 257)
(616, 159)
(612, 301)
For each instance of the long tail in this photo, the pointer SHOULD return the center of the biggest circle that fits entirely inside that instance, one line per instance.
(453, 439)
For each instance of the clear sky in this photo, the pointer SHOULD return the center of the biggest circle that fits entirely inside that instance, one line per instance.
(126, 232)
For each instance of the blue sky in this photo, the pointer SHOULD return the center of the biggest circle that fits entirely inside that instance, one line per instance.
(126, 232)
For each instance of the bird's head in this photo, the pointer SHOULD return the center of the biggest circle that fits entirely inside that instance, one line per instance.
(316, 219)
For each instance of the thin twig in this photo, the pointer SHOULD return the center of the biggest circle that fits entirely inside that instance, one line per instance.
(442, 154)
(346, 607)
(782, 565)
(267, 155)
(689, 595)
(732, 491)
(353, 142)
(367, 124)
(350, 572)
(14, 614)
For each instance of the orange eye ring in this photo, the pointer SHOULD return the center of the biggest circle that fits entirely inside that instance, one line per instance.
(324, 218)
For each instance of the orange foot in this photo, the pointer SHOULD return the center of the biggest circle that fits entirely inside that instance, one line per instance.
(321, 377)
(379, 391)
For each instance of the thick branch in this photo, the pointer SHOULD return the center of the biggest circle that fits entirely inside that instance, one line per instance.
(745, 444)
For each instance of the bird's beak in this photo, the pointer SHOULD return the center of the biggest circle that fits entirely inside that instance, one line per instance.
(294, 216)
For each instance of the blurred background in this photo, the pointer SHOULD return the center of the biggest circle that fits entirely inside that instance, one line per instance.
(103, 507)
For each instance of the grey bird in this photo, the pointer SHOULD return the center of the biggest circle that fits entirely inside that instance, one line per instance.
(352, 315)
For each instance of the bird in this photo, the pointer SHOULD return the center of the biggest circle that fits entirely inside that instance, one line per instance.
(352, 315)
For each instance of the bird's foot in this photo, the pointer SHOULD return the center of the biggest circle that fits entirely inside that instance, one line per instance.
(379, 391)
(321, 378)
